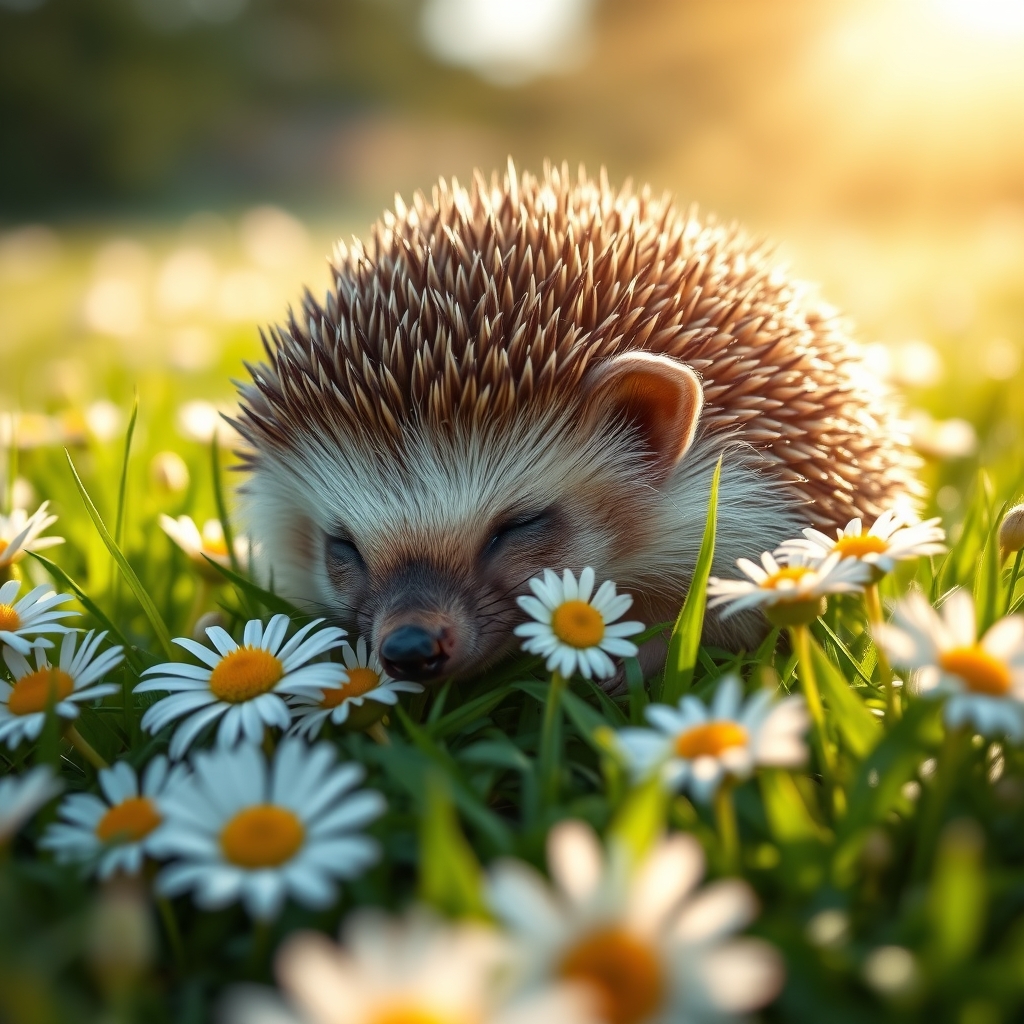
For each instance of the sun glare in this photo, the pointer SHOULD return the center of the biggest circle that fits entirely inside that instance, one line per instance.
(996, 18)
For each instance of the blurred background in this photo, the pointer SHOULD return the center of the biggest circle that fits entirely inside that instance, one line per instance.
(172, 171)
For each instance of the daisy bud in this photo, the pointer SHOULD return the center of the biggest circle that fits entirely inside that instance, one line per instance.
(169, 472)
(1011, 530)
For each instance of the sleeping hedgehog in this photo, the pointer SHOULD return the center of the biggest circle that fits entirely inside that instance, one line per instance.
(541, 372)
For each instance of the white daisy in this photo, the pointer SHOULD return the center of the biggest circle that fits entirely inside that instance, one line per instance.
(415, 970)
(22, 795)
(242, 685)
(208, 542)
(35, 613)
(75, 679)
(797, 588)
(113, 834)
(696, 747)
(892, 539)
(574, 631)
(651, 948)
(982, 679)
(241, 830)
(19, 534)
(364, 679)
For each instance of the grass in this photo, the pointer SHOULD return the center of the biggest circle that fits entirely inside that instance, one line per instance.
(902, 849)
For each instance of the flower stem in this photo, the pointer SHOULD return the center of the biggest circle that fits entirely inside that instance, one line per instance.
(199, 602)
(173, 934)
(728, 831)
(379, 734)
(948, 763)
(550, 737)
(1014, 576)
(801, 638)
(873, 605)
(84, 747)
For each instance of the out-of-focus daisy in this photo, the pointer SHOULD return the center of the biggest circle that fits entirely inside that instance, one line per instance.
(113, 833)
(696, 746)
(574, 631)
(242, 685)
(242, 830)
(415, 970)
(892, 539)
(983, 679)
(34, 614)
(206, 543)
(75, 679)
(364, 679)
(22, 795)
(798, 587)
(19, 534)
(649, 945)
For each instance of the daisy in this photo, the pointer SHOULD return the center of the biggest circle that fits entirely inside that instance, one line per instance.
(35, 613)
(22, 795)
(574, 631)
(208, 542)
(113, 834)
(241, 829)
(696, 746)
(983, 680)
(75, 679)
(797, 588)
(242, 685)
(415, 970)
(19, 534)
(363, 679)
(892, 539)
(650, 948)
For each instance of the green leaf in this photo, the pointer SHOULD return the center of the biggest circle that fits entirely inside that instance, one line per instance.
(685, 641)
(958, 894)
(92, 608)
(133, 581)
(479, 707)
(122, 490)
(640, 820)
(859, 728)
(271, 601)
(788, 818)
(451, 879)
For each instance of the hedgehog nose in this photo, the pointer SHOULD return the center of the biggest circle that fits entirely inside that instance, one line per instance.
(411, 652)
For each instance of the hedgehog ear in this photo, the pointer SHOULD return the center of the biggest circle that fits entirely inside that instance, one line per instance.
(660, 396)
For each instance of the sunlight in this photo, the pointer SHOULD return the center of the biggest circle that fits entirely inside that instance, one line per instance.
(995, 18)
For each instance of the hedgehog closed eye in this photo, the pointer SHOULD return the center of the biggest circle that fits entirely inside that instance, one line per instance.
(520, 527)
(340, 549)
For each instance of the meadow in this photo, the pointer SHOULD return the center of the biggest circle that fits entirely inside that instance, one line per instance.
(888, 868)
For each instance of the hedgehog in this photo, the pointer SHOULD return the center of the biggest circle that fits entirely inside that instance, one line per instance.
(542, 371)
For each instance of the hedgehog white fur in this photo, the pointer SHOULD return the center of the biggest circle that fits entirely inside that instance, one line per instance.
(543, 372)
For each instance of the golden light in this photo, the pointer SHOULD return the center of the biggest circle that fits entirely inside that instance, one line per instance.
(996, 18)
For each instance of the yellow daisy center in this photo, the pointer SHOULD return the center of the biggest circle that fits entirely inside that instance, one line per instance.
(578, 624)
(623, 970)
(710, 739)
(794, 573)
(129, 821)
(360, 681)
(859, 545)
(10, 620)
(34, 691)
(406, 1014)
(245, 673)
(264, 836)
(978, 669)
(215, 547)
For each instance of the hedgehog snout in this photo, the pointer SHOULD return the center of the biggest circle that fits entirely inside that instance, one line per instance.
(416, 652)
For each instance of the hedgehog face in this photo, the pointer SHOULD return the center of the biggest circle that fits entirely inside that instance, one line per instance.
(425, 549)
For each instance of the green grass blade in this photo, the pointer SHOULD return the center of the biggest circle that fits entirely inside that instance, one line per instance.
(122, 490)
(685, 642)
(222, 508)
(92, 608)
(134, 583)
(271, 601)
(859, 728)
